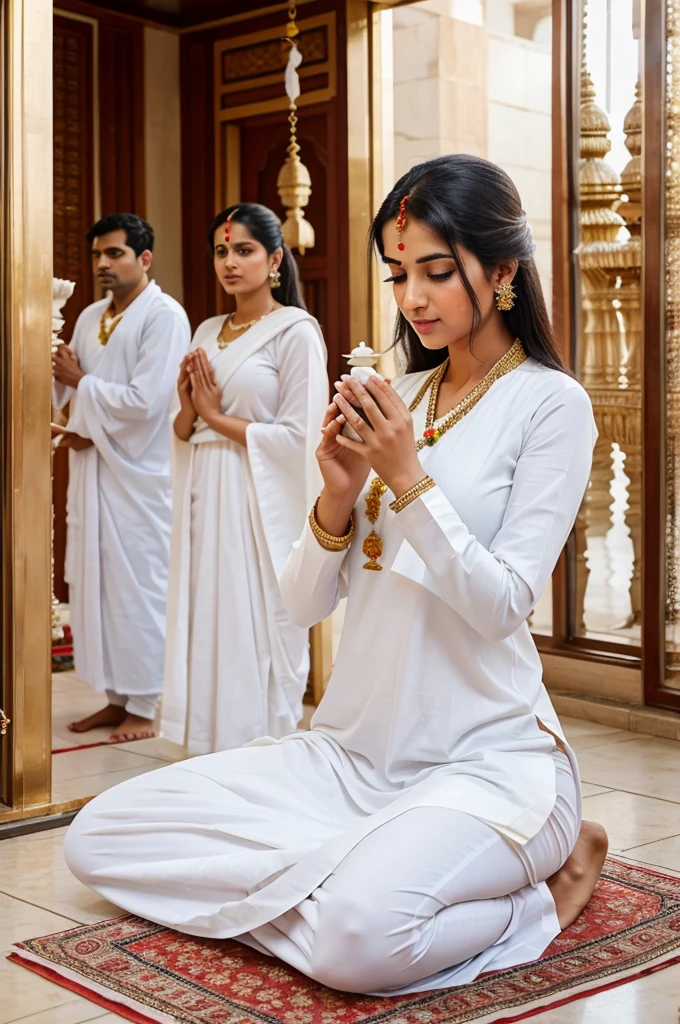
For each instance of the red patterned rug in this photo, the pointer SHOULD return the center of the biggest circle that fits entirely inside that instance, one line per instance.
(147, 973)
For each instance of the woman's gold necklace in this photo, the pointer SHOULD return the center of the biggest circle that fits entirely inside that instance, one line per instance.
(514, 357)
(222, 342)
(107, 324)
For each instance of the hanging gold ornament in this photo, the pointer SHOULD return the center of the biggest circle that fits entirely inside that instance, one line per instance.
(294, 183)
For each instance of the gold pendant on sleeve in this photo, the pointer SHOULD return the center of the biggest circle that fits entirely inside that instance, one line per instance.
(514, 357)
(372, 546)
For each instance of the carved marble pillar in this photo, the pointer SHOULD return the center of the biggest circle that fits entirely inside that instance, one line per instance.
(630, 308)
(601, 352)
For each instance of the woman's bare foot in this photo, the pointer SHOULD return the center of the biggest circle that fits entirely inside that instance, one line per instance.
(573, 885)
(132, 727)
(109, 716)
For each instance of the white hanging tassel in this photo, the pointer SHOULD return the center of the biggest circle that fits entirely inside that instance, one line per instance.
(292, 77)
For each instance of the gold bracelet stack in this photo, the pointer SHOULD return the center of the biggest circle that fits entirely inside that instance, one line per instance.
(328, 540)
(426, 484)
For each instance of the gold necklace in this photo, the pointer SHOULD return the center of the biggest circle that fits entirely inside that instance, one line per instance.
(222, 343)
(514, 357)
(108, 324)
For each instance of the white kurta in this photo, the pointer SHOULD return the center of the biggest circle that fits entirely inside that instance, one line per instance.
(119, 511)
(236, 666)
(433, 700)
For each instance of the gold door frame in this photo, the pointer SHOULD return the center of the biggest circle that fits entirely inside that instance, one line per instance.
(26, 232)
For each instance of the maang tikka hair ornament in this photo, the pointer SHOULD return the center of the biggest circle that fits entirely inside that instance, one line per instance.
(401, 222)
(227, 226)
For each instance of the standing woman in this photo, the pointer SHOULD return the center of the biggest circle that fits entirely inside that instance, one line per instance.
(252, 393)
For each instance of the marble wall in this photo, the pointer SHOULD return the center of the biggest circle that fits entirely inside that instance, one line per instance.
(465, 81)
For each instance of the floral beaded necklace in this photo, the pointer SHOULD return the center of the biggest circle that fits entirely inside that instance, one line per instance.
(514, 357)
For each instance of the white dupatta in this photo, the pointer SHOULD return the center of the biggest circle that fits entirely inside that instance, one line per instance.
(280, 489)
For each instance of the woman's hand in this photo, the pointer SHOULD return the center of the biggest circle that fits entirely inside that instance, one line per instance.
(206, 393)
(184, 389)
(344, 472)
(388, 443)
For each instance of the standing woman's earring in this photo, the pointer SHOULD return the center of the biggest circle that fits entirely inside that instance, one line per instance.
(274, 279)
(505, 297)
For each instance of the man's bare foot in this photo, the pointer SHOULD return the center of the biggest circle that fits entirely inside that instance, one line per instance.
(109, 716)
(132, 727)
(573, 885)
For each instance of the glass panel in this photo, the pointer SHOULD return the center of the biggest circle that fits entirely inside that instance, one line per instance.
(606, 549)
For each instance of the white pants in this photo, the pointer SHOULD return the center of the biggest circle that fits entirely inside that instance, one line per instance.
(423, 895)
(429, 900)
(142, 704)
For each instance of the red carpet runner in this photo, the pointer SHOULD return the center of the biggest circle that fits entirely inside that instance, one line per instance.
(150, 974)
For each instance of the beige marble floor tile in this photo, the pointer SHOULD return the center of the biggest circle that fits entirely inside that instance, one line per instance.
(157, 747)
(584, 735)
(80, 1012)
(96, 761)
(632, 820)
(652, 1000)
(34, 837)
(93, 785)
(644, 765)
(112, 1018)
(588, 789)
(37, 873)
(23, 995)
(663, 854)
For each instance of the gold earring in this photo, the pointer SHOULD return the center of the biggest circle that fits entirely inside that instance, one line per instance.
(275, 279)
(505, 297)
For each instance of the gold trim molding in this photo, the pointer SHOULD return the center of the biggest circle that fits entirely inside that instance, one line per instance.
(26, 234)
(327, 68)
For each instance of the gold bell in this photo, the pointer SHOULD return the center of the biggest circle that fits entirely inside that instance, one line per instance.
(294, 185)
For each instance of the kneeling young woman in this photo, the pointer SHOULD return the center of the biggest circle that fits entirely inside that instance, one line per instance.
(428, 826)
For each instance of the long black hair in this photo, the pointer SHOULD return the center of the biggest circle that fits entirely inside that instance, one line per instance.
(265, 227)
(472, 203)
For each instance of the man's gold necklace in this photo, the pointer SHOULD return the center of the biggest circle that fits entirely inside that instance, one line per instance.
(223, 342)
(108, 323)
(514, 357)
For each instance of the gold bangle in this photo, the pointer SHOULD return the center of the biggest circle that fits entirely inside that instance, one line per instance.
(424, 485)
(328, 540)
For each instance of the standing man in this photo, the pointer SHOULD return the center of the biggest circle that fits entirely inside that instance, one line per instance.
(119, 376)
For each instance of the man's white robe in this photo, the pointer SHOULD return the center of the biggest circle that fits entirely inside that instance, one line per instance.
(119, 496)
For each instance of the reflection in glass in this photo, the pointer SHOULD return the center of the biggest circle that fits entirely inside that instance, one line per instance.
(605, 592)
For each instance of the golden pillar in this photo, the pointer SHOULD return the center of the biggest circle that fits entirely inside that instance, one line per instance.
(672, 261)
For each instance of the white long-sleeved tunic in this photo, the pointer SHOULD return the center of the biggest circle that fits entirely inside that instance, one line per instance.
(433, 700)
